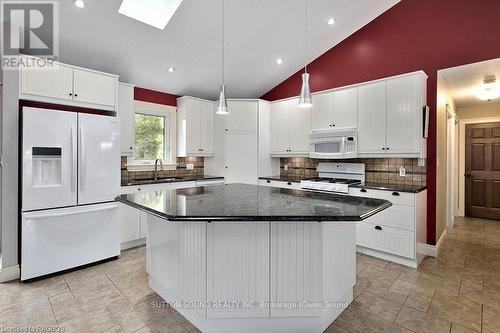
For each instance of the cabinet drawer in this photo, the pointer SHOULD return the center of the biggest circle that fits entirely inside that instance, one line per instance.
(363, 192)
(276, 183)
(387, 239)
(396, 216)
(398, 198)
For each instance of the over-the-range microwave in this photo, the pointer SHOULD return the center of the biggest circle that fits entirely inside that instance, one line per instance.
(334, 144)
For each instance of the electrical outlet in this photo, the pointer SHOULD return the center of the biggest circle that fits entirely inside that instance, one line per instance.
(421, 162)
(286, 167)
(402, 172)
(189, 166)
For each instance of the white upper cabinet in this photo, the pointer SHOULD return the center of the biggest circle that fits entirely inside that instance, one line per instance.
(280, 127)
(335, 109)
(290, 129)
(195, 127)
(300, 128)
(69, 85)
(372, 104)
(345, 107)
(126, 115)
(390, 117)
(93, 87)
(56, 83)
(322, 111)
(404, 114)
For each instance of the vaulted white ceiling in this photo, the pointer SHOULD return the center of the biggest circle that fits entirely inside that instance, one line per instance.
(463, 81)
(257, 33)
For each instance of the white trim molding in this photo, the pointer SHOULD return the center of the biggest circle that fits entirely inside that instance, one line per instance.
(10, 273)
(432, 250)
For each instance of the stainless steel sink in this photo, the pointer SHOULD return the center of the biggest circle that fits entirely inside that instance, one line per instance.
(147, 181)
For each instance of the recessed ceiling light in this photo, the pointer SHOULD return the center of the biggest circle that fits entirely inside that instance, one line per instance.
(156, 13)
(79, 3)
(171, 69)
(279, 61)
(331, 21)
(489, 90)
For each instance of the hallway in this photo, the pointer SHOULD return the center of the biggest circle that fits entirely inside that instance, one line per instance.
(457, 292)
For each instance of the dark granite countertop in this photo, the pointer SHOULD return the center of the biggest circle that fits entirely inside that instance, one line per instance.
(241, 202)
(170, 180)
(392, 187)
(291, 179)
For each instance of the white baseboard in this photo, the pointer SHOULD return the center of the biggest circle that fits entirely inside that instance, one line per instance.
(133, 243)
(10, 273)
(431, 250)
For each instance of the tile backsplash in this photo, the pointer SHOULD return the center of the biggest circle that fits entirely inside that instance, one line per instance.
(181, 171)
(378, 170)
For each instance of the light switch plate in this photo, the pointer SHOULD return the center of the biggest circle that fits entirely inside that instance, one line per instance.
(286, 167)
(402, 172)
(189, 166)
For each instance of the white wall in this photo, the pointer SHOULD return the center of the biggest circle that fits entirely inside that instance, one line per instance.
(9, 195)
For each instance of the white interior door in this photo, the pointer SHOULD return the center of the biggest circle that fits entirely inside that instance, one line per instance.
(49, 159)
(99, 158)
(241, 158)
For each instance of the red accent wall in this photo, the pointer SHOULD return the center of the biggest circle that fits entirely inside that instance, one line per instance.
(152, 96)
(413, 35)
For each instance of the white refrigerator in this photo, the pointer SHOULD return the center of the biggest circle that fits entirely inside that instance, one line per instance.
(70, 178)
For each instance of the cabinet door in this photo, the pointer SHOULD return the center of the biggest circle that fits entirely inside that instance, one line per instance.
(372, 102)
(404, 114)
(130, 219)
(321, 114)
(193, 126)
(207, 127)
(280, 127)
(51, 83)
(126, 115)
(242, 117)
(345, 107)
(241, 158)
(300, 127)
(95, 88)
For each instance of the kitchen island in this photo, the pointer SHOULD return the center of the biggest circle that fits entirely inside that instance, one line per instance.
(245, 258)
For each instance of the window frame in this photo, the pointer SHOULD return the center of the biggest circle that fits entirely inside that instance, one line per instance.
(170, 145)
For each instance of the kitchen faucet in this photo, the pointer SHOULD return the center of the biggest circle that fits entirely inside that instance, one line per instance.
(156, 167)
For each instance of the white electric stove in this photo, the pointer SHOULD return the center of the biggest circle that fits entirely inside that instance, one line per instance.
(335, 177)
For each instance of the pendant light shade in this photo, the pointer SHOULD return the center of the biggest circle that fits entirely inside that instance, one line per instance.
(222, 103)
(305, 100)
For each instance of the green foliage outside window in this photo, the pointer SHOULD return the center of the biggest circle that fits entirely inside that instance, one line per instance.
(149, 137)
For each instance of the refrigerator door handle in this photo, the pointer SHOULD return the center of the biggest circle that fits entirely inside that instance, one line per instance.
(73, 158)
(83, 159)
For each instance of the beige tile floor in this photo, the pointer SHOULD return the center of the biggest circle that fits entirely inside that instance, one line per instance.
(457, 292)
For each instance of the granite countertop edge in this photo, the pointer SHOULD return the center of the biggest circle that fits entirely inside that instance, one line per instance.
(389, 187)
(316, 219)
(180, 180)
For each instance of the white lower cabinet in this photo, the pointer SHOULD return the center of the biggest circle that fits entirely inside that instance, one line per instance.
(394, 233)
(278, 183)
(134, 222)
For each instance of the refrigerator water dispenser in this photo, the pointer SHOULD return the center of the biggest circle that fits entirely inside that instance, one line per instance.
(47, 166)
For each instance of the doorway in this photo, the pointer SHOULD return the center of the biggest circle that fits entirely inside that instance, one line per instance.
(482, 170)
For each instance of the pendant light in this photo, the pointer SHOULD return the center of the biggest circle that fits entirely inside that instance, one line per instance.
(222, 103)
(305, 100)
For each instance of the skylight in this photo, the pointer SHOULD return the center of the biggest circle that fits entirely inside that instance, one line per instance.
(156, 13)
